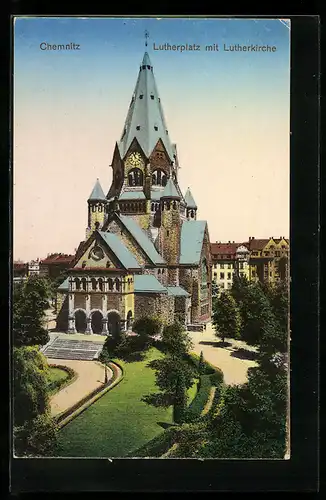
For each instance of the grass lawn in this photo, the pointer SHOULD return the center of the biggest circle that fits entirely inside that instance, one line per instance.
(192, 391)
(119, 422)
(58, 376)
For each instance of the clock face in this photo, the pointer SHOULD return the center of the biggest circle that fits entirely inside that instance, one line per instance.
(97, 253)
(135, 160)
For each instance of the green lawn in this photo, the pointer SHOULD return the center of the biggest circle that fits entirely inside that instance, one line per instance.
(192, 392)
(58, 377)
(119, 422)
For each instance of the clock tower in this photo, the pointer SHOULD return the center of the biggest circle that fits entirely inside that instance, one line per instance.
(144, 158)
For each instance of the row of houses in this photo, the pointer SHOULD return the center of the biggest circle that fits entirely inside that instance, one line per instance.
(51, 267)
(265, 260)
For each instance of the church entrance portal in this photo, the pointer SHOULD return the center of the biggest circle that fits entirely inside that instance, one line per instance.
(97, 325)
(114, 323)
(80, 321)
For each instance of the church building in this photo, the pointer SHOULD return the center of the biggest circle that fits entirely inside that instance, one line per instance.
(145, 253)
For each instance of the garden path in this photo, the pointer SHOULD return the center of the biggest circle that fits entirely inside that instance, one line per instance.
(233, 359)
(90, 376)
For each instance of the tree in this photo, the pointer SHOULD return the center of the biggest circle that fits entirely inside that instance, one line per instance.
(147, 326)
(239, 288)
(201, 364)
(176, 340)
(34, 428)
(256, 312)
(174, 377)
(30, 301)
(226, 317)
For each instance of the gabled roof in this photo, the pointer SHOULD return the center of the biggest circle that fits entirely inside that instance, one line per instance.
(132, 195)
(120, 251)
(190, 200)
(149, 284)
(64, 287)
(192, 236)
(97, 193)
(145, 119)
(177, 291)
(258, 244)
(170, 190)
(142, 239)
(224, 248)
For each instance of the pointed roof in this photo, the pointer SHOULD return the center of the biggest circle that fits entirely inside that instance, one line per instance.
(191, 242)
(145, 119)
(190, 200)
(170, 190)
(97, 193)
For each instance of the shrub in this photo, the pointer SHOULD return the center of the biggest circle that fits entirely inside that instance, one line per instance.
(196, 407)
(157, 446)
(217, 377)
(56, 384)
(147, 326)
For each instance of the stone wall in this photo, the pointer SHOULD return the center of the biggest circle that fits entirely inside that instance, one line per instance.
(79, 301)
(161, 305)
(62, 313)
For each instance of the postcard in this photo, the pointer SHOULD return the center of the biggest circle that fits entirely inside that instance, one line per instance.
(151, 241)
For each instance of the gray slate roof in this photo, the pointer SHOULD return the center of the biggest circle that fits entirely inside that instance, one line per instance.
(97, 193)
(146, 112)
(190, 200)
(122, 253)
(156, 194)
(177, 291)
(132, 195)
(192, 236)
(64, 287)
(148, 283)
(170, 191)
(142, 239)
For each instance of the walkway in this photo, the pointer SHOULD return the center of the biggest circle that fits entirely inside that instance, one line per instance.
(90, 375)
(234, 359)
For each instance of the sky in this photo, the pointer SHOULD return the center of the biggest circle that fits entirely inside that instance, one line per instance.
(228, 112)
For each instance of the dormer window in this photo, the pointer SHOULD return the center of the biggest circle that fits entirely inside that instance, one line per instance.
(138, 127)
(143, 66)
(152, 97)
(148, 67)
(155, 127)
(166, 132)
(141, 96)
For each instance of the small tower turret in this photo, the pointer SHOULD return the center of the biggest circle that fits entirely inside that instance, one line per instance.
(96, 209)
(191, 209)
(170, 229)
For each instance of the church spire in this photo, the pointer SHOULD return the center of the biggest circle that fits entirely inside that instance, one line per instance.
(145, 119)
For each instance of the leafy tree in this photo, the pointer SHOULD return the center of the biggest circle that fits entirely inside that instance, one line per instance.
(239, 288)
(226, 317)
(176, 340)
(34, 428)
(215, 289)
(256, 312)
(201, 364)
(147, 326)
(174, 377)
(30, 301)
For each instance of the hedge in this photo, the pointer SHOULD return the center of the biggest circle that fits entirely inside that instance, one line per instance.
(59, 384)
(157, 446)
(91, 397)
(209, 369)
(196, 407)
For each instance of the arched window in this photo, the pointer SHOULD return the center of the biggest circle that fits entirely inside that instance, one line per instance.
(84, 284)
(100, 208)
(159, 177)
(174, 205)
(93, 208)
(135, 177)
(168, 205)
(152, 207)
(100, 284)
(159, 271)
(192, 214)
(117, 284)
(77, 283)
(110, 284)
(94, 283)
